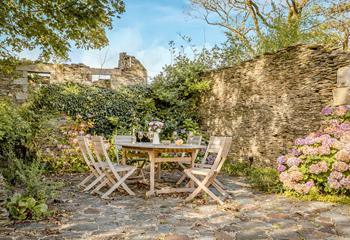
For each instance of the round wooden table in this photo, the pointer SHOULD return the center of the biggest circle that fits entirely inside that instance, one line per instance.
(154, 152)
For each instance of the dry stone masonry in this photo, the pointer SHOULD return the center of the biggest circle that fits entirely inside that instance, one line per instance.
(129, 71)
(267, 102)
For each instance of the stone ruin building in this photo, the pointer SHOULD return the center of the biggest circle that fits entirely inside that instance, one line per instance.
(129, 71)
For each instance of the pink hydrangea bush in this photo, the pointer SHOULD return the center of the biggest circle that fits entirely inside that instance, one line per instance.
(321, 160)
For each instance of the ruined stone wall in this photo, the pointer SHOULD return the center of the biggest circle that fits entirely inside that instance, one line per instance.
(267, 102)
(129, 71)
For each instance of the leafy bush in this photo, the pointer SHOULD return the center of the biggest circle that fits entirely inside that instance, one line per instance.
(14, 132)
(176, 92)
(32, 192)
(26, 208)
(105, 109)
(320, 161)
(31, 179)
(265, 179)
(262, 178)
(55, 144)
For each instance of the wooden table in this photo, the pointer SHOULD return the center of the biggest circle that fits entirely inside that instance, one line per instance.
(154, 152)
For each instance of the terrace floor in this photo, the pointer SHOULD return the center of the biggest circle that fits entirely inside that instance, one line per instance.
(249, 215)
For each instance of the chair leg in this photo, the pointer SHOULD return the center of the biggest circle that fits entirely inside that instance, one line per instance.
(120, 182)
(94, 182)
(220, 189)
(220, 184)
(101, 185)
(182, 178)
(88, 178)
(202, 186)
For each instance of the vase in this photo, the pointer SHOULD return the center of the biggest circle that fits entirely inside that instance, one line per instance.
(156, 138)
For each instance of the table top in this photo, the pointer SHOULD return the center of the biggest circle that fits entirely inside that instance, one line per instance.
(147, 145)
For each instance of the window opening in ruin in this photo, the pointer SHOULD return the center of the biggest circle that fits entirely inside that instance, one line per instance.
(39, 77)
(97, 77)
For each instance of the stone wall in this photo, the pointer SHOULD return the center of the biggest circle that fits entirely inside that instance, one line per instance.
(129, 71)
(267, 102)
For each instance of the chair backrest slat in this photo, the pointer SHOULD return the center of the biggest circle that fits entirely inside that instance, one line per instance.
(118, 139)
(87, 154)
(222, 155)
(214, 146)
(100, 150)
(194, 140)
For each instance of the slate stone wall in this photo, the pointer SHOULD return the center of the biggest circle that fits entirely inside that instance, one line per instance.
(267, 102)
(129, 71)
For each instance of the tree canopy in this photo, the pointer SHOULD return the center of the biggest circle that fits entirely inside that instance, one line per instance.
(54, 26)
(270, 25)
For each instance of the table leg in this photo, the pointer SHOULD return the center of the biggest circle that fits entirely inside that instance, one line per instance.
(193, 158)
(151, 175)
(159, 167)
(123, 156)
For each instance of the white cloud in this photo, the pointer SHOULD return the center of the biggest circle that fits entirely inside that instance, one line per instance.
(123, 40)
(154, 58)
(128, 40)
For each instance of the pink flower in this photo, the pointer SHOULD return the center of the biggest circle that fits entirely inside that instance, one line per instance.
(341, 110)
(340, 166)
(318, 168)
(281, 159)
(293, 161)
(281, 168)
(326, 111)
(343, 155)
(335, 175)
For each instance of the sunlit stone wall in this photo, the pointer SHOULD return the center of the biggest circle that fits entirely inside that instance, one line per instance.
(267, 102)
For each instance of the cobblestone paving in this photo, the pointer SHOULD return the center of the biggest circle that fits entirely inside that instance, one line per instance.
(249, 215)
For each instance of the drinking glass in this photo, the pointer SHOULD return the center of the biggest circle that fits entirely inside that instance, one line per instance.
(140, 135)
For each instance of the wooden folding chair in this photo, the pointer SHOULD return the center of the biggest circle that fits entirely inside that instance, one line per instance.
(192, 140)
(139, 158)
(95, 168)
(111, 170)
(205, 177)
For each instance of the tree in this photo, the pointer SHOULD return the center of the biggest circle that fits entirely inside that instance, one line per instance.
(270, 25)
(53, 26)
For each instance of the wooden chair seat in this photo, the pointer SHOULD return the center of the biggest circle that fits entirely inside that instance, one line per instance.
(116, 166)
(198, 171)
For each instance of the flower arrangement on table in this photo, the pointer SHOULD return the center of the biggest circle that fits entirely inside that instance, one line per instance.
(320, 162)
(155, 127)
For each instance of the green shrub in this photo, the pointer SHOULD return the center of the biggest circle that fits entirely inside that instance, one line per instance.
(265, 179)
(236, 168)
(26, 208)
(31, 179)
(14, 133)
(106, 109)
(262, 178)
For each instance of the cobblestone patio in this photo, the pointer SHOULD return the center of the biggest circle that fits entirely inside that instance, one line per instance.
(249, 215)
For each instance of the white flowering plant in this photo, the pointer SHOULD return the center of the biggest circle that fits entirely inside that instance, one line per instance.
(155, 126)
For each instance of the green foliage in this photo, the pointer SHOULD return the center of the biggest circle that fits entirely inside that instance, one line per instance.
(33, 183)
(105, 109)
(265, 179)
(177, 92)
(262, 178)
(55, 144)
(53, 26)
(285, 33)
(14, 132)
(26, 208)
(236, 168)
(315, 196)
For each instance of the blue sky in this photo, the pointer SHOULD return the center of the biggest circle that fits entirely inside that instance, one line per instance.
(145, 30)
